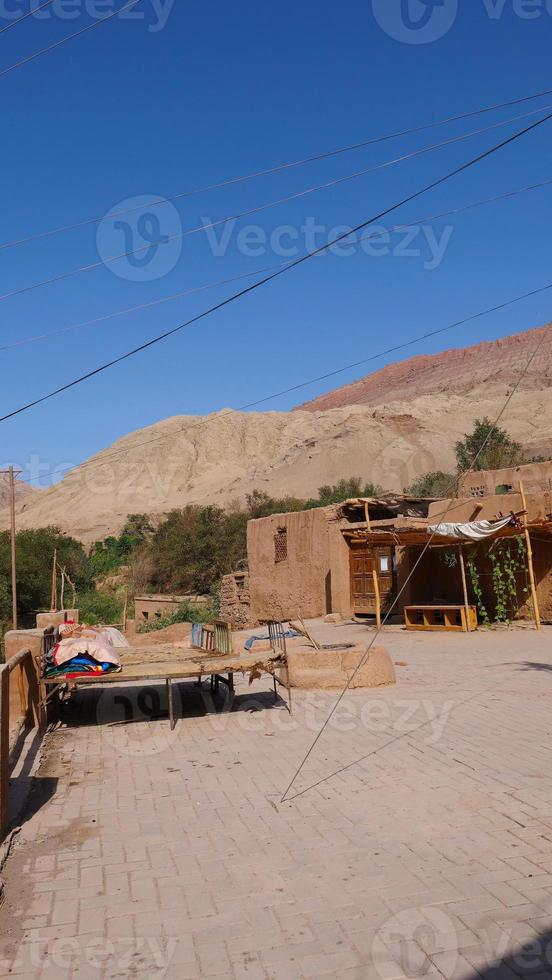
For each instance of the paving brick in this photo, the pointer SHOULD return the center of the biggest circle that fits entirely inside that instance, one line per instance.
(452, 819)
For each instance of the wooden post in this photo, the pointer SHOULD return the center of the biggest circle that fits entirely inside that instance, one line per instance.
(13, 548)
(536, 609)
(377, 595)
(4, 748)
(367, 514)
(465, 588)
(125, 611)
(53, 599)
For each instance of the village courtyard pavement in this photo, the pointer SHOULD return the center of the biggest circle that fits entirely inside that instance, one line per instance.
(416, 841)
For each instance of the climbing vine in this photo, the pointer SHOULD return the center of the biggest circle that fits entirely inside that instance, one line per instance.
(478, 591)
(506, 563)
(507, 560)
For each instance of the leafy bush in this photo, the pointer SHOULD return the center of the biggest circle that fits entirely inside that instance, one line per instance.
(100, 607)
(436, 484)
(187, 612)
(344, 490)
(108, 555)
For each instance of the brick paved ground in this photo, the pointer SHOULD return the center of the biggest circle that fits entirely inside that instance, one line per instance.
(171, 854)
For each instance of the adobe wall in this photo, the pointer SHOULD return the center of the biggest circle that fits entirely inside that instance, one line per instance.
(235, 600)
(535, 477)
(489, 508)
(300, 585)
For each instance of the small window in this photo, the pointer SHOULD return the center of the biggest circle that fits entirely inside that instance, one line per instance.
(280, 545)
(240, 583)
(145, 615)
(384, 564)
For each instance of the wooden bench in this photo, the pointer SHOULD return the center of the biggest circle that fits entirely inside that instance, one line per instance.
(441, 617)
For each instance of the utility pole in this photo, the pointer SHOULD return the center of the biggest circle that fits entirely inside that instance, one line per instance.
(12, 474)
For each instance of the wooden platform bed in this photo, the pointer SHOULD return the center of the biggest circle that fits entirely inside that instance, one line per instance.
(170, 664)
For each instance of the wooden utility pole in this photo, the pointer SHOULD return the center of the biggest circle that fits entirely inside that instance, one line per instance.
(536, 609)
(13, 548)
(12, 473)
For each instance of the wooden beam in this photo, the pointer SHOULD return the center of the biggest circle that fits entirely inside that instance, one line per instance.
(367, 514)
(465, 588)
(377, 595)
(534, 596)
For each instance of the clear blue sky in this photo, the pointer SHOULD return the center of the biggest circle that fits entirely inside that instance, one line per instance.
(222, 90)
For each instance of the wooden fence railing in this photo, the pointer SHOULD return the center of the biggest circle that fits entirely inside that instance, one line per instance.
(28, 715)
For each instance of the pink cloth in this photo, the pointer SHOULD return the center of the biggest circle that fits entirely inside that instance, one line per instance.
(92, 644)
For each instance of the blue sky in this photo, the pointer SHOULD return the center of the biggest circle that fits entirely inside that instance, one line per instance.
(126, 112)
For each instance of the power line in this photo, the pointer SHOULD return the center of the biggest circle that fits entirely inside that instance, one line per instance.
(363, 659)
(277, 169)
(29, 13)
(275, 275)
(257, 272)
(69, 37)
(261, 207)
(107, 457)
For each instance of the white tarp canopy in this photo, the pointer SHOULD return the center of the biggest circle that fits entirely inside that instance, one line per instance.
(475, 531)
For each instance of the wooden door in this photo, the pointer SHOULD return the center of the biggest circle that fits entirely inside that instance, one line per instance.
(364, 560)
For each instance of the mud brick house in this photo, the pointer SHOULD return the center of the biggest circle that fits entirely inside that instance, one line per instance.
(305, 563)
(334, 559)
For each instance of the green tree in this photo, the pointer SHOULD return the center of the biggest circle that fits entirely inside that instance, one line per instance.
(259, 504)
(35, 551)
(487, 447)
(436, 484)
(345, 489)
(108, 555)
(194, 547)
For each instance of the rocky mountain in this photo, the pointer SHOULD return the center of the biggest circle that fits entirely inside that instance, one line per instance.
(390, 427)
(460, 371)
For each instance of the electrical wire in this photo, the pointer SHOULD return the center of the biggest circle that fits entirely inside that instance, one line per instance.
(261, 282)
(279, 168)
(23, 17)
(377, 633)
(69, 37)
(257, 272)
(165, 240)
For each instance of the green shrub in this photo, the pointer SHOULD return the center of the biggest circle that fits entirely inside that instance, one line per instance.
(187, 612)
(100, 607)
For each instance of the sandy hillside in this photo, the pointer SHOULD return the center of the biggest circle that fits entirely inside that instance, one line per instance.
(219, 458)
